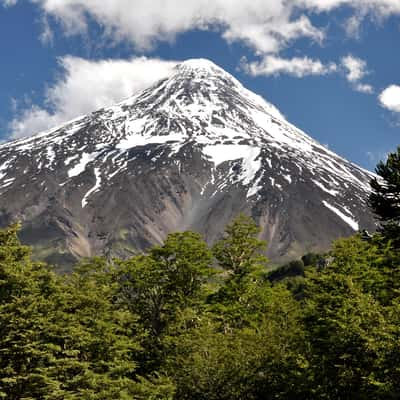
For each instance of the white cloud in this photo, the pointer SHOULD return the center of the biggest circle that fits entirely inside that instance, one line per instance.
(390, 98)
(298, 67)
(266, 26)
(356, 68)
(87, 86)
(363, 88)
(352, 25)
(377, 8)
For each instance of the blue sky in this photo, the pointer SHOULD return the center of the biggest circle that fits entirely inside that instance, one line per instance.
(332, 67)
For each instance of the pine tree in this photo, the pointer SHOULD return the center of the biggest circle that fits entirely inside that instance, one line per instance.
(385, 197)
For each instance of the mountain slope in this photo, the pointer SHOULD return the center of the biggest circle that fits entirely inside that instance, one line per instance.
(190, 152)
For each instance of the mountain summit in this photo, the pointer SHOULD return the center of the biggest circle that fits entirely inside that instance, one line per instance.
(190, 152)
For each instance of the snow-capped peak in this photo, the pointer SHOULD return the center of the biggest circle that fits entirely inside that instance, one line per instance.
(200, 104)
(193, 148)
(199, 64)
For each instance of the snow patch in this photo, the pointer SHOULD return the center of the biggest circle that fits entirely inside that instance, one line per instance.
(70, 159)
(4, 168)
(221, 153)
(287, 178)
(94, 189)
(7, 183)
(136, 137)
(250, 162)
(51, 156)
(326, 190)
(256, 187)
(350, 221)
(86, 158)
(272, 180)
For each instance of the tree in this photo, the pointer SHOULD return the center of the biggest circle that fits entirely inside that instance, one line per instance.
(239, 252)
(25, 289)
(243, 281)
(166, 325)
(350, 321)
(291, 269)
(168, 278)
(385, 197)
(163, 285)
(348, 336)
(260, 362)
(185, 259)
(65, 337)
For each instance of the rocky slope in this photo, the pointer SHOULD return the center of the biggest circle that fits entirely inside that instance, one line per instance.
(190, 152)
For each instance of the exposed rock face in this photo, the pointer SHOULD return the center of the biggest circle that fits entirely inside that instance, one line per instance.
(190, 152)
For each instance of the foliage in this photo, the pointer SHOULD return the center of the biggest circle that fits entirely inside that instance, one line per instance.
(385, 197)
(258, 362)
(291, 269)
(240, 251)
(169, 278)
(188, 322)
(62, 337)
(239, 256)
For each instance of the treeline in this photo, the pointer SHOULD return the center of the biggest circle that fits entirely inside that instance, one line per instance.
(186, 321)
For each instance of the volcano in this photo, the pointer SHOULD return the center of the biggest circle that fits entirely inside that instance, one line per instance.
(189, 153)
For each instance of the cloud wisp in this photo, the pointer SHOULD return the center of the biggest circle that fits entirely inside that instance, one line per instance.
(298, 67)
(87, 86)
(356, 70)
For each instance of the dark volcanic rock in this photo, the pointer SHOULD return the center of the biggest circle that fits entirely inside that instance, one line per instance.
(191, 152)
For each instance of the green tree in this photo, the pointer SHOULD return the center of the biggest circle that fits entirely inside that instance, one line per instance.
(167, 279)
(95, 336)
(25, 289)
(347, 331)
(240, 252)
(168, 325)
(385, 197)
(349, 322)
(243, 283)
(240, 255)
(373, 264)
(65, 337)
(165, 288)
(258, 362)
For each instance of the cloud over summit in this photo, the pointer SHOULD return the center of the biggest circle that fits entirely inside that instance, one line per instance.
(269, 29)
(86, 86)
